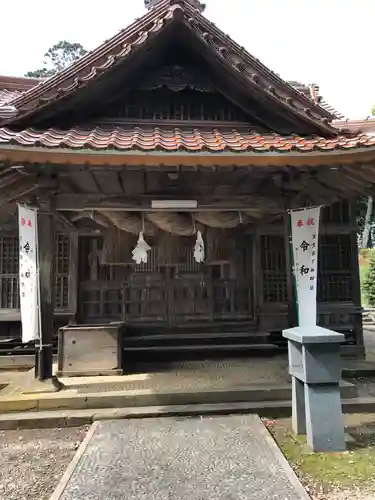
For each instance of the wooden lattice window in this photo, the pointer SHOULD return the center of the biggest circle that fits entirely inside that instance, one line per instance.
(62, 271)
(275, 283)
(103, 303)
(338, 213)
(165, 104)
(335, 274)
(9, 272)
(9, 269)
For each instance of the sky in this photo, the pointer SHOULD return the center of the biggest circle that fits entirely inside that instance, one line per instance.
(328, 42)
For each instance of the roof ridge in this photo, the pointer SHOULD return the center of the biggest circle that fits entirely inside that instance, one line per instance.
(136, 34)
(252, 59)
(92, 56)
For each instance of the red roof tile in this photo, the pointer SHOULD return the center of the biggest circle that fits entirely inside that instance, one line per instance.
(179, 139)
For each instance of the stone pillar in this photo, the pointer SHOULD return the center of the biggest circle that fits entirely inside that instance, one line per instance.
(315, 367)
(298, 406)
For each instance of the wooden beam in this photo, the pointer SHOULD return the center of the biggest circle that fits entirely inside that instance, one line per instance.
(9, 180)
(19, 195)
(92, 202)
(335, 180)
(95, 216)
(65, 221)
(26, 186)
(364, 187)
(67, 184)
(366, 172)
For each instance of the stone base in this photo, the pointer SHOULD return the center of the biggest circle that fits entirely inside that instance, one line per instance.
(89, 373)
(324, 419)
(43, 386)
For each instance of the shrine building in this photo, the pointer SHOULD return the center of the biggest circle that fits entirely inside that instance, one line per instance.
(170, 128)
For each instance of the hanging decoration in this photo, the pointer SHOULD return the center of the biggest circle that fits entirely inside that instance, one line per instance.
(140, 252)
(199, 248)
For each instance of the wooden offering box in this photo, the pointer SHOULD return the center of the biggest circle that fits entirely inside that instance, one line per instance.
(86, 350)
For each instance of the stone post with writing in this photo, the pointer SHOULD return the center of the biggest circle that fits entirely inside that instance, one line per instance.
(314, 352)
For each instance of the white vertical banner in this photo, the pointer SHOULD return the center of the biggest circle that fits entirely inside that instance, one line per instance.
(305, 234)
(29, 273)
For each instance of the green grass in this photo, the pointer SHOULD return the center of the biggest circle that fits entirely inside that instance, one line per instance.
(327, 471)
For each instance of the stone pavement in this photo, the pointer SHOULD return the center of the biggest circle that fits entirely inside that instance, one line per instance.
(218, 458)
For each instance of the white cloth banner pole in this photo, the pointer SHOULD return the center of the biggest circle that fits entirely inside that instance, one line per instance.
(28, 269)
(305, 234)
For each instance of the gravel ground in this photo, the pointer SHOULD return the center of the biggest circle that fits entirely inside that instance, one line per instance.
(219, 458)
(33, 461)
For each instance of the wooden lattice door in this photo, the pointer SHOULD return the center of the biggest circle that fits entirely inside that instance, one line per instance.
(189, 296)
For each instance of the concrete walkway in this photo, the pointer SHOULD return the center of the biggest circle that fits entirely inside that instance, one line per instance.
(219, 458)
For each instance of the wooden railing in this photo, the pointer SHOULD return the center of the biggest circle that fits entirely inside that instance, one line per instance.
(175, 301)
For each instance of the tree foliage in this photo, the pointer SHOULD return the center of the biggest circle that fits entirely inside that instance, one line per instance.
(295, 83)
(363, 220)
(58, 57)
(369, 284)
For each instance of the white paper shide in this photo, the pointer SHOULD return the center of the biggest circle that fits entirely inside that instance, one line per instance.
(140, 252)
(28, 273)
(305, 234)
(198, 251)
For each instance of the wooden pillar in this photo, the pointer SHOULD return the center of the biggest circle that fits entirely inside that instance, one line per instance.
(257, 291)
(46, 251)
(357, 300)
(73, 276)
(292, 305)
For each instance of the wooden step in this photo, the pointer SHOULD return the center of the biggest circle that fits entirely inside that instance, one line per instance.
(202, 347)
(196, 338)
(186, 336)
(186, 328)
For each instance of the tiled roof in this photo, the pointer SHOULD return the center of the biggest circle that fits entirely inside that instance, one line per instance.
(366, 126)
(12, 87)
(254, 74)
(317, 97)
(313, 92)
(6, 96)
(179, 139)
